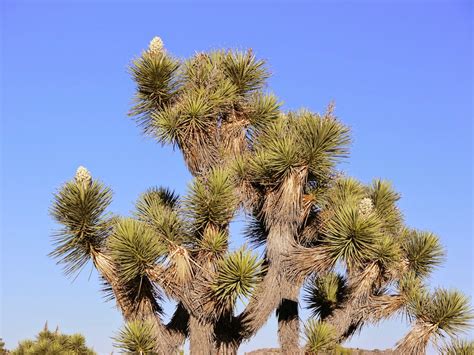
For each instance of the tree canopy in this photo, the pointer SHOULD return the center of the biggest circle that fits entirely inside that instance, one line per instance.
(49, 342)
(343, 241)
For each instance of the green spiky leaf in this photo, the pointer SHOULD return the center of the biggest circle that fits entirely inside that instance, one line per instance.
(214, 242)
(155, 195)
(344, 190)
(384, 199)
(262, 110)
(155, 77)
(212, 199)
(195, 111)
(409, 285)
(158, 208)
(52, 343)
(320, 337)
(324, 293)
(276, 153)
(134, 247)
(323, 141)
(237, 275)
(205, 71)
(422, 250)
(387, 251)
(352, 237)
(448, 312)
(80, 209)
(459, 347)
(137, 337)
(245, 71)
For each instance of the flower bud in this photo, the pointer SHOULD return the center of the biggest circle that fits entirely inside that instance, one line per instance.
(366, 206)
(156, 45)
(83, 176)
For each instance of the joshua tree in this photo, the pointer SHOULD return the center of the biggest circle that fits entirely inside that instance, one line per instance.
(51, 343)
(279, 168)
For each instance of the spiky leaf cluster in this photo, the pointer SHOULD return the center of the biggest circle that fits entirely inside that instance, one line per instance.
(159, 208)
(410, 286)
(134, 248)
(385, 199)
(298, 140)
(212, 199)
(447, 312)
(320, 337)
(352, 237)
(422, 250)
(262, 109)
(245, 71)
(237, 275)
(387, 252)
(190, 119)
(155, 75)
(53, 343)
(344, 190)
(81, 210)
(214, 243)
(136, 337)
(324, 293)
(459, 347)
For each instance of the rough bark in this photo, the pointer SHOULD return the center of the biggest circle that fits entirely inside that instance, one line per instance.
(288, 324)
(178, 327)
(351, 314)
(282, 211)
(201, 336)
(416, 340)
(262, 304)
(169, 339)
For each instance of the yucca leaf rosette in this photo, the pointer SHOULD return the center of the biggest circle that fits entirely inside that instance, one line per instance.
(80, 207)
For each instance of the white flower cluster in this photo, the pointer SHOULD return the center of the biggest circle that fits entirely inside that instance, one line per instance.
(366, 206)
(156, 45)
(83, 175)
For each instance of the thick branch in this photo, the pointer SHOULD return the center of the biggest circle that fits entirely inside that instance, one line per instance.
(353, 312)
(304, 261)
(168, 339)
(416, 340)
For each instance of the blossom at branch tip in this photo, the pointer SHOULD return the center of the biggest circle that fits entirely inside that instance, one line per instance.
(156, 45)
(83, 175)
(366, 206)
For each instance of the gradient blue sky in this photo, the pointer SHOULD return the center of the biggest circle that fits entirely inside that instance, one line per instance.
(400, 73)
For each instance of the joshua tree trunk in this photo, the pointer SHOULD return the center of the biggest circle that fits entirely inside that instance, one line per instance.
(264, 301)
(286, 203)
(288, 324)
(178, 328)
(227, 348)
(267, 298)
(201, 337)
(287, 313)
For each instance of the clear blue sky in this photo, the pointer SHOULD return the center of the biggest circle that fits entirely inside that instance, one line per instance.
(400, 73)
